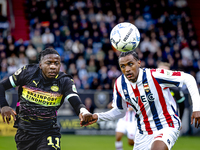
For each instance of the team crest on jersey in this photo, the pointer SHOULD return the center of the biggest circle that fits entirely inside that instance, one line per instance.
(146, 87)
(18, 71)
(54, 88)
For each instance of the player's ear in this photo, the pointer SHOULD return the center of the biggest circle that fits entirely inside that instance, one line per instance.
(139, 63)
(40, 65)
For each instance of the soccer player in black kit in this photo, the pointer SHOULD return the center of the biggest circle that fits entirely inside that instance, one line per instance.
(42, 90)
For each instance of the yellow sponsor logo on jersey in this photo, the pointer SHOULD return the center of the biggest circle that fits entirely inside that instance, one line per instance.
(54, 88)
(41, 97)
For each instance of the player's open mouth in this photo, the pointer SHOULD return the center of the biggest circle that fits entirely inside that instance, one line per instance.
(128, 75)
(52, 73)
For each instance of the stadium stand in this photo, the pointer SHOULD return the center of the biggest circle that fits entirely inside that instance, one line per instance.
(79, 31)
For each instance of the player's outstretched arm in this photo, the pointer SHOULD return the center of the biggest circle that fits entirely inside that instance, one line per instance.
(79, 107)
(112, 114)
(196, 116)
(6, 113)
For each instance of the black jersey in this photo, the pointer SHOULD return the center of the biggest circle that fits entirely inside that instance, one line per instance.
(38, 98)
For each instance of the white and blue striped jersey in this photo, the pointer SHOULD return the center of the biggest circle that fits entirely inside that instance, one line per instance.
(151, 99)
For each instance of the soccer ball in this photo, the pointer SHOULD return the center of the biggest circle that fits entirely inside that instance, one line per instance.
(124, 37)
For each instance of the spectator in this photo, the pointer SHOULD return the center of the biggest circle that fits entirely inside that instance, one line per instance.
(12, 67)
(92, 68)
(4, 65)
(80, 62)
(141, 24)
(89, 105)
(72, 69)
(23, 60)
(37, 40)
(82, 28)
(31, 53)
(47, 37)
(77, 47)
(113, 73)
(82, 72)
(13, 59)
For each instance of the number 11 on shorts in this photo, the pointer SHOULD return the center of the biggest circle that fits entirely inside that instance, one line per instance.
(54, 145)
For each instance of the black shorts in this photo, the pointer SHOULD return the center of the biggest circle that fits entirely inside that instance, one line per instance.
(48, 140)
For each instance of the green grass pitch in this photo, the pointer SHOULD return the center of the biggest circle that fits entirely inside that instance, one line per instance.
(77, 142)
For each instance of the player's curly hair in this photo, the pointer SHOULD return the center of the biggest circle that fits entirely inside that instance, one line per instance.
(46, 52)
(133, 52)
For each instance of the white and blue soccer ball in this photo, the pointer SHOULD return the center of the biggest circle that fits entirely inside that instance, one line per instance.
(124, 37)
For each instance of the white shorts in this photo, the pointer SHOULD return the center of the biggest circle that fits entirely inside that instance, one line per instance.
(167, 135)
(127, 127)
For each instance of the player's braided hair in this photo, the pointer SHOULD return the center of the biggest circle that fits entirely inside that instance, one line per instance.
(46, 52)
(134, 53)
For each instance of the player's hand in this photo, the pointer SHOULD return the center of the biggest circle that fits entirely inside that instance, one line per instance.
(196, 116)
(85, 118)
(6, 113)
(89, 122)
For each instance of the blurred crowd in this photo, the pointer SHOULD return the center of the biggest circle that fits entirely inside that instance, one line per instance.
(79, 30)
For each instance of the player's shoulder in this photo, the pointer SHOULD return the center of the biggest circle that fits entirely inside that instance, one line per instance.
(153, 70)
(31, 67)
(63, 77)
(119, 79)
(158, 71)
(27, 69)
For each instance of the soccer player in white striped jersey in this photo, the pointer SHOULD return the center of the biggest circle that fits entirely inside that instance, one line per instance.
(147, 92)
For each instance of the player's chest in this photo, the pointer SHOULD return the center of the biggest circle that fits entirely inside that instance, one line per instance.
(138, 95)
(42, 93)
(40, 85)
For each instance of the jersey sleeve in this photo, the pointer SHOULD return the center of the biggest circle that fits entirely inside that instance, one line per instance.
(168, 78)
(19, 77)
(69, 88)
(70, 93)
